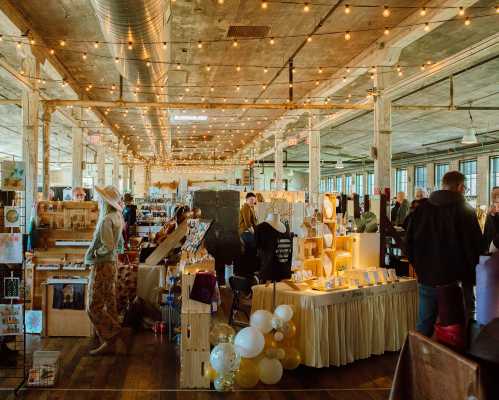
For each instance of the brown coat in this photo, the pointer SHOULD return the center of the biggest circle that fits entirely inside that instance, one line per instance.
(247, 218)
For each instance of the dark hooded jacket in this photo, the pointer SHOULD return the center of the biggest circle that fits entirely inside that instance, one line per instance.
(444, 240)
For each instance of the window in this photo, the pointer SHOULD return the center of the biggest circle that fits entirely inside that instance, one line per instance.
(329, 184)
(401, 180)
(440, 170)
(494, 173)
(359, 184)
(420, 180)
(348, 184)
(322, 187)
(339, 184)
(468, 169)
(370, 183)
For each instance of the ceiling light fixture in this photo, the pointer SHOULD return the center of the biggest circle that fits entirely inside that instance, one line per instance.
(339, 164)
(469, 136)
(348, 36)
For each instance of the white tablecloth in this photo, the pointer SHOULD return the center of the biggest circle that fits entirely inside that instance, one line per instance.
(339, 327)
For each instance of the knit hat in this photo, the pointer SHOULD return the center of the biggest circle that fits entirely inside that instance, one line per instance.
(110, 195)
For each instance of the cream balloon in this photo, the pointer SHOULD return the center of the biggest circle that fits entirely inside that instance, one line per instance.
(270, 370)
(261, 320)
(249, 342)
(284, 312)
(224, 359)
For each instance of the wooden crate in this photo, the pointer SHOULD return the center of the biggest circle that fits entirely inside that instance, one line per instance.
(310, 248)
(75, 323)
(314, 265)
(195, 331)
(193, 365)
(188, 305)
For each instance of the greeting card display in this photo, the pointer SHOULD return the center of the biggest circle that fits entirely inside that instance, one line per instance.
(11, 319)
(13, 175)
(11, 248)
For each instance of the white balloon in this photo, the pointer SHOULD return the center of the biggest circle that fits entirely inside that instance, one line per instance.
(224, 359)
(278, 336)
(249, 342)
(270, 370)
(284, 312)
(261, 320)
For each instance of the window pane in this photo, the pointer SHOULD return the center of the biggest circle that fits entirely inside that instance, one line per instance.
(494, 173)
(339, 184)
(440, 170)
(348, 184)
(468, 169)
(359, 184)
(401, 180)
(420, 178)
(370, 183)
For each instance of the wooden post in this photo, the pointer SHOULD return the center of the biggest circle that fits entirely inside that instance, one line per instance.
(77, 161)
(30, 102)
(278, 166)
(47, 117)
(382, 151)
(314, 163)
(147, 181)
(101, 165)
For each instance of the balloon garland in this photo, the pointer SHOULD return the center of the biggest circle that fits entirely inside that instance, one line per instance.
(259, 352)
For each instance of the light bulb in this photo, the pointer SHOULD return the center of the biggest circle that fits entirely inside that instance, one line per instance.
(347, 35)
(238, 68)
(386, 12)
(467, 21)
(178, 65)
(1, 38)
(497, 9)
(320, 70)
(32, 42)
(423, 12)
(237, 88)
(52, 51)
(116, 60)
(235, 43)
(344, 79)
(347, 9)
(130, 45)
(62, 43)
(426, 26)
(84, 56)
(272, 41)
(96, 45)
(423, 67)
(309, 39)
(265, 4)
(386, 31)
(316, 83)
(265, 70)
(18, 45)
(220, 1)
(208, 68)
(306, 7)
(348, 70)
(200, 45)
(461, 11)
(164, 45)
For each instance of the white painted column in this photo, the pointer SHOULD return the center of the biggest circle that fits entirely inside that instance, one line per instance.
(382, 136)
(482, 179)
(430, 177)
(314, 164)
(131, 181)
(125, 182)
(30, 101)
(101, 165)
(410, 182)
(77, 160)
(47, 117)
(116, 171)
(343, 184)
(278, 162)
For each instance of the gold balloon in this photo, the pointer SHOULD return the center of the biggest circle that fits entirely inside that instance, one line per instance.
(210, 373)
(289, 329)
(270, 343)
(248, 374)
(221, 333)
(292, 358)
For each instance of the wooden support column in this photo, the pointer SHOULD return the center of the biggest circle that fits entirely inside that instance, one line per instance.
(314, 164)
(116, 171)
(382, 150)
(47, 117)
(30, 102)
(278, 162)
(147, 180)
(77, 161)
(101, 165)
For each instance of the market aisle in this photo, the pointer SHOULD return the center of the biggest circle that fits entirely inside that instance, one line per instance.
(151, 372)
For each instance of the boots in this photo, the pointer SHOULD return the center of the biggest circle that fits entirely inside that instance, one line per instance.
(119, 344)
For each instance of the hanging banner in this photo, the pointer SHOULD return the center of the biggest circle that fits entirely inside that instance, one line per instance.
(13, 175)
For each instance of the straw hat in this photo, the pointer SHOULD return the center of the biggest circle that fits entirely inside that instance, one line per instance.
(110, 195)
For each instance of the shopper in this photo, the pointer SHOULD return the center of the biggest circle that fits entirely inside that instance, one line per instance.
(247, 219)
(102, 255)
(400, 209)
(79, 194)
(491, 230)
(129, 216)
(443, 243)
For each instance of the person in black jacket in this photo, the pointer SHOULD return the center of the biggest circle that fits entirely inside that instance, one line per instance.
(491, 229)
(444, 242)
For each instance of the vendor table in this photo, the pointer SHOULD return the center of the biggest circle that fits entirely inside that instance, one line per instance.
(336, 328)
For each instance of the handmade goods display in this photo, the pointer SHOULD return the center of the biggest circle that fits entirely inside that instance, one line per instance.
(67, 215)
(257, 353)
(11, 287)
(11, 248)
(197, 229)
(13, 175)
(11, 319)
(12, 217)
(46, 366)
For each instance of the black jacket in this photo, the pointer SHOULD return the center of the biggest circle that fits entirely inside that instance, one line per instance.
(275, 251)
(491, 231)
(444, 240)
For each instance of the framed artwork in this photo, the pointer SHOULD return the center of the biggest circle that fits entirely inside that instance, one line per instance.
(13, 175)
(11, 248)
(11, 287)
(33, 321)
(197, 231)
(12, 217)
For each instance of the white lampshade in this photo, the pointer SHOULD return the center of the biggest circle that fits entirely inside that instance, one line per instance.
(339, 164)
(469, 137)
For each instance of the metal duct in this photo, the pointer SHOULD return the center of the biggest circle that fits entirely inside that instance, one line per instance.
(138, 22)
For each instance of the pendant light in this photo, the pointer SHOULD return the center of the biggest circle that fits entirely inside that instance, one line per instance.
(339, 164)
(469, 136)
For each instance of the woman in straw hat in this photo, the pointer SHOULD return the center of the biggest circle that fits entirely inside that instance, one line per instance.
(102, 254)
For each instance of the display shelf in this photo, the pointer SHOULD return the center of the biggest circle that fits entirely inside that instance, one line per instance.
(329, 208)
(312, 247)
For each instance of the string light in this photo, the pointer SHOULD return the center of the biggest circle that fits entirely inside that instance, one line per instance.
(238, 68)
(306, 7)
(208, 68)
(200, 45)
(116, 60)
(426, 26)
(130, 45)
(178, 66)
(32, 42)
(235, 43)
(386, 11)
(271, 41)
(52, 51)
(220, 1)
(423, 12)
(1, 38)
(320, 70)
(96, 45)
(386, 31)
(309, 39)
(62, 43)
(467, 21)
(265, 4)
(84, 56)
(423, 67)
(148, 63)
(497, 9)
(164, 45)
(347, 35)
(347, 9)
(18, 45)
(265, 70)
(461, 11)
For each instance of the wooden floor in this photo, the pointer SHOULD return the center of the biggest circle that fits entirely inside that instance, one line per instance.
(150, 371)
